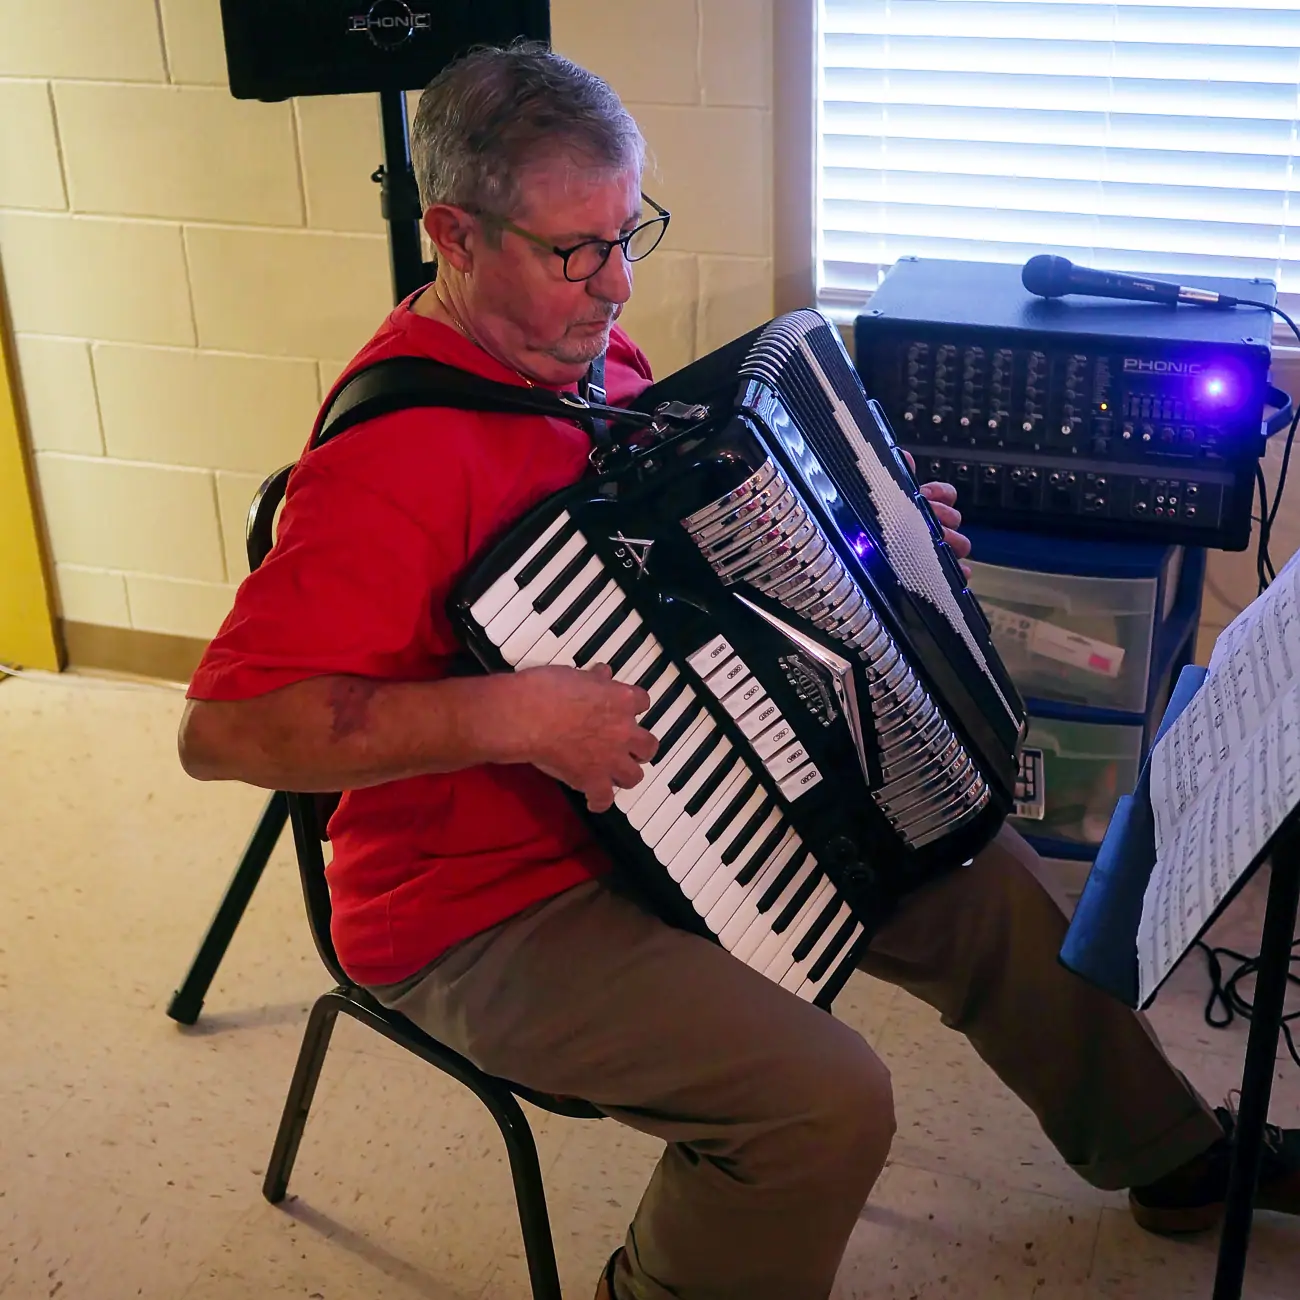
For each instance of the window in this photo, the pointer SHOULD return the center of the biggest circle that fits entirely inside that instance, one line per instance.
(1157, 136)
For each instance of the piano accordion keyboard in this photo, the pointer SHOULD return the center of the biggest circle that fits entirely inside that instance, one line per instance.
(705, 818)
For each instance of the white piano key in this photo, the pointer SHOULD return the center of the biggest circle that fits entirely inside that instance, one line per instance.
(608, 601)
(708, 657)
(520, 605)
(626, 800)
(800, 781)
(639, 661)
(782, 958)
(686, 857)
(710, 861)
(722, 880)
(810, 988)
(774, 957)
(797, 976)
(495, 598)
(610, 646)
(671, 816)
(760, 929)
(550, 647)
(660, 685)
(670, 828)
(735, 897)
(746, 913)
(516, 647)
(661, 773)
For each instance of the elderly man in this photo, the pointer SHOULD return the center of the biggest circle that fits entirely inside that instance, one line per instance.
(467, 892)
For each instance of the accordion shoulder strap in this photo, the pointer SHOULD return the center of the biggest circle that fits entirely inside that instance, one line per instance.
(398, 383)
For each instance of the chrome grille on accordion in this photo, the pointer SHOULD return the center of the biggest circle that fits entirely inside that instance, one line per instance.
(778, 556)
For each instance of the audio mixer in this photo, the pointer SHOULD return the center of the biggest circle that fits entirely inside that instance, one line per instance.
(1128, 420)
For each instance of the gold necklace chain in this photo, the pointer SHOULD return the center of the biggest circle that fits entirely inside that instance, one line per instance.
(464, 329)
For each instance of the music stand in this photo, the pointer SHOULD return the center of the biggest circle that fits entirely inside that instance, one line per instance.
(1101, 946)
(400, 204)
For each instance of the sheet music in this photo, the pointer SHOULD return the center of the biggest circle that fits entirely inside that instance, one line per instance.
(1224, 776)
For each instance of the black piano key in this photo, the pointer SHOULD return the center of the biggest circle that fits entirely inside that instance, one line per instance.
(677, 730)
(747, 832)
(580, 604)
(623, 655)
(711, 783)
(551, 592)
(804, 947)
(712, 739)
(754, 863)
(732, 810)
(833, 949)
(788, 873)
(795, 905)
(651, 717)
(653, 673)
(545, 555)
(582, 656)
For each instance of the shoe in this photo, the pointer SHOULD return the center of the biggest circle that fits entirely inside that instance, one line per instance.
(1191, 1198)
(605, 1289)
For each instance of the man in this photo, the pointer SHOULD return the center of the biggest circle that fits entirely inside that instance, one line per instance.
(467, 893)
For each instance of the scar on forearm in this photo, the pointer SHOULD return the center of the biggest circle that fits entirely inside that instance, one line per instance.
(349, 704)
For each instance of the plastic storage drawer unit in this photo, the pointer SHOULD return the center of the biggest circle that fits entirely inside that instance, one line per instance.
(1075, 639)
(1087, 766)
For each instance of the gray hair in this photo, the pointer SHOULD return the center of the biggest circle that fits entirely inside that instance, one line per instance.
(483, 119)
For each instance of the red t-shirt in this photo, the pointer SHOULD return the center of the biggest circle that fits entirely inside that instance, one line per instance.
(378, 523)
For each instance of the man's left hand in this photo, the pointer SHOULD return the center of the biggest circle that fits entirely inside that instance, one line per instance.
(943, 500)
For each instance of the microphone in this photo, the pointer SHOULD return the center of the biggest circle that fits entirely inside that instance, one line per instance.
(1050, 277)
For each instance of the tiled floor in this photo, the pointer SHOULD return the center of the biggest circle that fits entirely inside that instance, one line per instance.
(131, 1151)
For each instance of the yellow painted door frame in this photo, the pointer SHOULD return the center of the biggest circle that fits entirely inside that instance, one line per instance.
(27, 631)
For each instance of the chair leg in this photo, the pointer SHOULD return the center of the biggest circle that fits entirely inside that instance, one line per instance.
(530, 1194)
(311, 1056)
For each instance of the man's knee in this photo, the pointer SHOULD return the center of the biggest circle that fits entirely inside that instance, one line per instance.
(838, 1116)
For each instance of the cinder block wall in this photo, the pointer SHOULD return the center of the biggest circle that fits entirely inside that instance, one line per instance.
(186, 273)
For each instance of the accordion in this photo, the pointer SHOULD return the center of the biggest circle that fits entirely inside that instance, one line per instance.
(835, 726)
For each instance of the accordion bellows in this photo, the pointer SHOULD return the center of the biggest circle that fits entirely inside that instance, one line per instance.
(835, 724)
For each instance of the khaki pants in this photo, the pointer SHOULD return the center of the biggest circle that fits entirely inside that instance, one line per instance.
(777, 1117)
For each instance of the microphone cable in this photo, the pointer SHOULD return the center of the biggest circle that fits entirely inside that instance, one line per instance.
(1265, 570)
(1226, 1001)
(1225, 991)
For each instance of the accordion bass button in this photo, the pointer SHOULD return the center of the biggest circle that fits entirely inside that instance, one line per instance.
(754, 484)
(863, 619)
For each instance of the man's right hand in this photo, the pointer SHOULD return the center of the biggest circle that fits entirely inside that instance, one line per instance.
(579, 726)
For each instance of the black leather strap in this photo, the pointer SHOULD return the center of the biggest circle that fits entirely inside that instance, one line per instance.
(398, 383)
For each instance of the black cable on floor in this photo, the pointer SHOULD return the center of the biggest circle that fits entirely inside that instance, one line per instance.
(1226, 1001)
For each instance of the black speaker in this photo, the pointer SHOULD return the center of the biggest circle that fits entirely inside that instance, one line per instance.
(278, 48)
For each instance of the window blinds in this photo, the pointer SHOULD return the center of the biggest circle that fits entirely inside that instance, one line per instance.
(1157, 136)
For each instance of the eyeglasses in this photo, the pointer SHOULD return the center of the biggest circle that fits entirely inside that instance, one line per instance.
(584, 260)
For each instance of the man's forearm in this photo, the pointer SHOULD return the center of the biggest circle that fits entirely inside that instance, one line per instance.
(345, 733)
